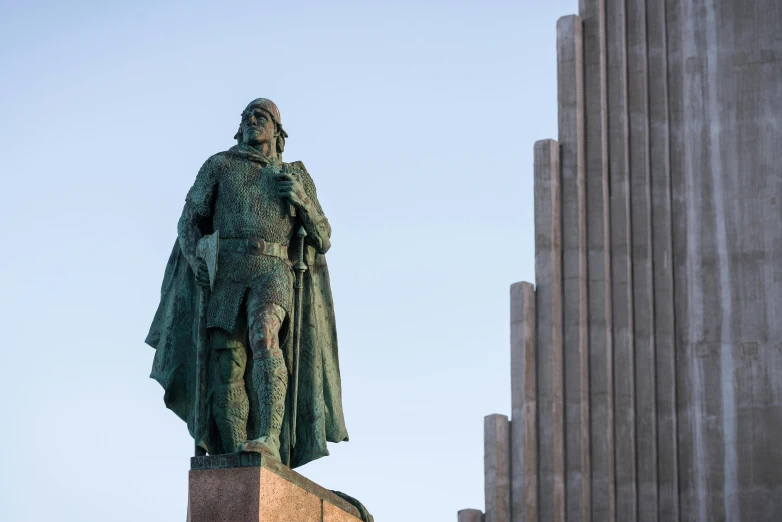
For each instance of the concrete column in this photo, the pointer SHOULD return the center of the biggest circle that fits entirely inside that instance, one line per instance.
(679, 214)
(570, 77)
(496, 468)
(548, 279)
(470, 515)
(665, 350)
(621, 262)
(601, 406)
(700, 355)
(695, 501)
(728, 327)
(643, 283)
(524, 445)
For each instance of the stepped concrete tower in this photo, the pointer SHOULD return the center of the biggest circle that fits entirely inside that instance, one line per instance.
(646, 360)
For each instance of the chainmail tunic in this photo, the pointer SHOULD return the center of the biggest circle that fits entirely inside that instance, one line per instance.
(240, 195)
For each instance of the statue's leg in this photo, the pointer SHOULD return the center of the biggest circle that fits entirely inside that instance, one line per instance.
(230, 404)
(269, 374)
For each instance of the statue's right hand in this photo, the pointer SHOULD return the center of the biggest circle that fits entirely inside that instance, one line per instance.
(202, 274)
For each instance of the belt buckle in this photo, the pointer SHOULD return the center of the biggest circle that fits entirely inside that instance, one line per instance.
(256, 246)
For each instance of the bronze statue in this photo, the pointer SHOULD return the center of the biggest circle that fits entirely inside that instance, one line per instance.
(248, 210)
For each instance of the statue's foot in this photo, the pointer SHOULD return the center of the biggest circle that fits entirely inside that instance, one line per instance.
(265, 444)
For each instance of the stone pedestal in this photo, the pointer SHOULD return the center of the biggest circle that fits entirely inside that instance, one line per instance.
(255, 488)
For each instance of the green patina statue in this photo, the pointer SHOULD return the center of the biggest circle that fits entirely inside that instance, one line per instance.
(252, 365)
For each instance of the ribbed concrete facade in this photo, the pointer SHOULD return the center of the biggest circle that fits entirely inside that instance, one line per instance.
(646, 360)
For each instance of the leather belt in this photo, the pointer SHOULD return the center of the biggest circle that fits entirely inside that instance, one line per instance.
(255, 247)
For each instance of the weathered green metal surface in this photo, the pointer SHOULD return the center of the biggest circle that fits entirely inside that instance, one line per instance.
(257, 203)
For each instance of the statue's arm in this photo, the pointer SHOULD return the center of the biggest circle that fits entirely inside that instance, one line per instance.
(189, 233)
(197, 211)
(312, 217)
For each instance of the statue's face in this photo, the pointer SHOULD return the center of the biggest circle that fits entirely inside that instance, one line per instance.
(257, 127)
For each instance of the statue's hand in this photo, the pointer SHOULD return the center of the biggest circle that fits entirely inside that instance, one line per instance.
(202, 273)
(292, 189)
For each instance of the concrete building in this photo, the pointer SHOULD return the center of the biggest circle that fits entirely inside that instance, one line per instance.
(646, 360)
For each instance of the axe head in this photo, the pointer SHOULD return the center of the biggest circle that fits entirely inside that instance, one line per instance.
(208, 249)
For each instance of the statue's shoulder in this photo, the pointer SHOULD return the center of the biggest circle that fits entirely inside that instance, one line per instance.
(296, 165)
(299, 168)
(215, 164)
(221, 159)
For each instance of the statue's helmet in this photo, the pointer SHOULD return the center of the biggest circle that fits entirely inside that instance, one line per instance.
(268, 106)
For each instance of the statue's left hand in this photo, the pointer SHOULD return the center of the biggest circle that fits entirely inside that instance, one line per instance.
(292, 189)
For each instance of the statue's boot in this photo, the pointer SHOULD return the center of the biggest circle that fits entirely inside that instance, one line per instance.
(270, 380)
(231, 408)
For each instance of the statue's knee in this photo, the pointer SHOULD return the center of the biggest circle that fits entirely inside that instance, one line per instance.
(230, 357)
(264, 331)
(265, 341)
(231, 363)
(230, 366)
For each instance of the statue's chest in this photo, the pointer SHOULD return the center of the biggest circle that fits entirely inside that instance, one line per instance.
(250, 187)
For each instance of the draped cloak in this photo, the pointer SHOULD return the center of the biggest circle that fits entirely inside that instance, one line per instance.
(174, 335)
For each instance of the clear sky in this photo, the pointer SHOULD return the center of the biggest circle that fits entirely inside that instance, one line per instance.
(417, 122)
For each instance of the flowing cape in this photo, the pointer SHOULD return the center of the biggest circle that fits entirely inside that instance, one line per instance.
(174, 335)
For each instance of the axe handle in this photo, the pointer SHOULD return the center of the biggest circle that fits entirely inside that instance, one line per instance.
(200, 381)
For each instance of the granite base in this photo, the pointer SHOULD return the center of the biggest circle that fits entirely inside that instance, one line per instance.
(248, 487)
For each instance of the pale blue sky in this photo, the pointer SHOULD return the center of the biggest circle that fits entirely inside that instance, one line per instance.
(416, 121)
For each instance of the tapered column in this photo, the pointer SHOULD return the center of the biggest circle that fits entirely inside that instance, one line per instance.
(470, 515)
(680, 216)
(524, 446)
(665, 351)
(727, 228)
(496, 468)
(601, 406)
(621, 262)
(642, 277)
(570, 76)
(548, 278)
